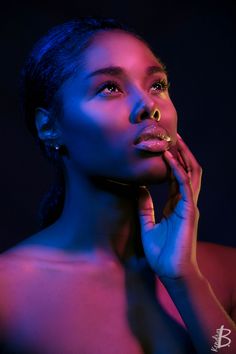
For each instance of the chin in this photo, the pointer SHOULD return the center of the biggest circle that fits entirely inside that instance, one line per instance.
(151, 170)
(156, 177)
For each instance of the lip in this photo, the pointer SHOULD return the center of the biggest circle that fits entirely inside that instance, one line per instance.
(153, 138)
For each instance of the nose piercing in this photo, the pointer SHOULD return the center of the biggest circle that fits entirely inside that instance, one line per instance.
(156, 114)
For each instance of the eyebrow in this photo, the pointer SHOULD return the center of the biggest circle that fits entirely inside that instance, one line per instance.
(118, 71)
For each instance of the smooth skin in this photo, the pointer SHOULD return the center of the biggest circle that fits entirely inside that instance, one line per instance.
(170, 246)
(81, 275)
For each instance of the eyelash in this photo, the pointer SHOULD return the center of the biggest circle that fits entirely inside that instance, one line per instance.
(162, 82)
(165, 85)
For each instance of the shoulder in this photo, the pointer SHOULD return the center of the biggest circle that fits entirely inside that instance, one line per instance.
(218, 264)
(14, 272)
(215, 257)
(9, 268)
(15, 269)
(5, 276)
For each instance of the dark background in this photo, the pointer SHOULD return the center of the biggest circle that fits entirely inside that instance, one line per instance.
(196, 41)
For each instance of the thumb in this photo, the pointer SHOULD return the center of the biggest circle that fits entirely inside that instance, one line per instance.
(146, 210)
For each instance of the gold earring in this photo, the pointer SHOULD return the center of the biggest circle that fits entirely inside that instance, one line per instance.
(156, 114)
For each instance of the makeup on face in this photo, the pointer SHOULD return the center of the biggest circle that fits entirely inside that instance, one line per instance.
(153, 138)
(109, 109)
(112, 81)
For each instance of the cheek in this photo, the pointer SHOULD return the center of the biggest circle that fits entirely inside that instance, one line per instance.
(99, 139)
(96, 116)
(96, 137)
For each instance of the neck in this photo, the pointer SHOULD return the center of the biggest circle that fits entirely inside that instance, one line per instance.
(99, 217)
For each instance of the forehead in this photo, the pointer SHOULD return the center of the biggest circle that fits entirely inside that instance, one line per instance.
(119, 48)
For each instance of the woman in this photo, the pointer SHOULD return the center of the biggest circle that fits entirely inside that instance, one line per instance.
(102, 277)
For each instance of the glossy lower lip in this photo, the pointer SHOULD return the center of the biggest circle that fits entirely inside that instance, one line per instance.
(153, 145)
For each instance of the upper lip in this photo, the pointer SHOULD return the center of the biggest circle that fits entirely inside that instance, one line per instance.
(153, 131)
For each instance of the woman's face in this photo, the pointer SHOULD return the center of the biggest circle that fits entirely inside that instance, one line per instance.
(107, 106)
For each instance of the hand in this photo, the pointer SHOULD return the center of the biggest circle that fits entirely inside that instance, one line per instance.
(170, 246)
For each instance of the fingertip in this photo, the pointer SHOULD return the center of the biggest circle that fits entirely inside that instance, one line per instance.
(168, 154)
(179, 136)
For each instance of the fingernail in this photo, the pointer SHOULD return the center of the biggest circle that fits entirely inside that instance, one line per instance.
(179, 136)
(169, 153)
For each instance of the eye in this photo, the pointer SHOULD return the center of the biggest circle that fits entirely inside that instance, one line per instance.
(109, 88)
(159, 86)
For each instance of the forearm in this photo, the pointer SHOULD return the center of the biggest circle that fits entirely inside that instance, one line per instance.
(202, 313)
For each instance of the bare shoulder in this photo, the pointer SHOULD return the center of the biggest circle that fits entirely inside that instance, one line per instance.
(5, 276)
(10, 266)
(6, 267)
(216, 258)
(18, 269)
(15, 267)
(8, 261)
(218, 264)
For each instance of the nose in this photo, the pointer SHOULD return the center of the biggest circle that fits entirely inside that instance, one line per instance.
(145, 109)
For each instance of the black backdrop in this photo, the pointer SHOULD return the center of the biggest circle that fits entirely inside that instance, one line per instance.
(196, 41)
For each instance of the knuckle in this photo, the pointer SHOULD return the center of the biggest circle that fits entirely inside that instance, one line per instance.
(187, 180)
(199, 169)
(177, 164)
(197, 166)
(196, 211)
(193, 212)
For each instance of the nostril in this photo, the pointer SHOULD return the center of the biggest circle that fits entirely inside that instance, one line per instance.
(156, 114)
(144, 115)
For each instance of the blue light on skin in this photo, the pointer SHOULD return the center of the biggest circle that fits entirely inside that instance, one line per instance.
(120, 78)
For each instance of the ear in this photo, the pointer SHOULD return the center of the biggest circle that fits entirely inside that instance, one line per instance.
(46, 125)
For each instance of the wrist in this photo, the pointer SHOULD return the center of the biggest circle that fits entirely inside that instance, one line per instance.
(192, 278)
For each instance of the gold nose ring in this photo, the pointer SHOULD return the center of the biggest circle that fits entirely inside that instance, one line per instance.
(156, 114)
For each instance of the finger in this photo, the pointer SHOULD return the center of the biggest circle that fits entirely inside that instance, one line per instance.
(181, 159)
(187, 156)
(181, 176)
(192, 166)
(146, 210)
(184, 146)
(185, 162)
(173, 195)
(171, 205)
(173, 187)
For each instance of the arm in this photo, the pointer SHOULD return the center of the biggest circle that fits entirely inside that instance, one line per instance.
(202, 313)
(170, 248)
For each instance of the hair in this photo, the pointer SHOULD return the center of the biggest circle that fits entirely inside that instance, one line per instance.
(53, 60)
